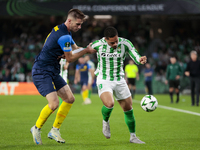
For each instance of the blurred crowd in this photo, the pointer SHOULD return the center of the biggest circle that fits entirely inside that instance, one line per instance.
(22, 39)
(176, 46)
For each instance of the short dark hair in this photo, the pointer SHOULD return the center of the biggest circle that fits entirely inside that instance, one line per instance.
(76, 13)
(172, 56)
(110, 32)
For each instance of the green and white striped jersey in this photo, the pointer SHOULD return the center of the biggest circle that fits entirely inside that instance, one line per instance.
(111, 61)
(63, 72)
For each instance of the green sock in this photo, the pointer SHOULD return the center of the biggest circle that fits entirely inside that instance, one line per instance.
(60, 101)
(106, 112)
(130, 120)
(89, 94)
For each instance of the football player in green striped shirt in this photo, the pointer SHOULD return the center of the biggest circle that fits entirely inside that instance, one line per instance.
(111, 52)
(63, 73)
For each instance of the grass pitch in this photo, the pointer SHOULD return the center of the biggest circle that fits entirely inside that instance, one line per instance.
(82, 129)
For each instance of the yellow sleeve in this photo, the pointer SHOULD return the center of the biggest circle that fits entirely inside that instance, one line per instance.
(136, 68)
(126, 68)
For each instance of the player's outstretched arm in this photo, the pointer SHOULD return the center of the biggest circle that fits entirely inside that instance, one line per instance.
(71, 57)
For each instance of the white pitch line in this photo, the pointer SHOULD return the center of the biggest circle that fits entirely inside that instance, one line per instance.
(174, 109)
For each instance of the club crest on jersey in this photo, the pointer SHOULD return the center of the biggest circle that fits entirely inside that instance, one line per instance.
(118, 50)
(67, 46)
(104, 48)
(110, 55)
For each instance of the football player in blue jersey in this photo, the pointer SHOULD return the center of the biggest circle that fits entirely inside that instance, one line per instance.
(82, 76)
(45, 72)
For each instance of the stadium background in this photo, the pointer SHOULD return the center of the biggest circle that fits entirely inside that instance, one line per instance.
(157, 28)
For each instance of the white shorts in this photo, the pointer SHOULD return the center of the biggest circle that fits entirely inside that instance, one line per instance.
(119, 89)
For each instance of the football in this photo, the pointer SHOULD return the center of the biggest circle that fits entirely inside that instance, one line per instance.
(149, 103)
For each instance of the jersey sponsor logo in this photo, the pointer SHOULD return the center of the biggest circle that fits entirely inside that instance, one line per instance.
(110, 55)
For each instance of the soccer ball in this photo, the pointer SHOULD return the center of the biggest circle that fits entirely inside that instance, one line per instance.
(149, 103)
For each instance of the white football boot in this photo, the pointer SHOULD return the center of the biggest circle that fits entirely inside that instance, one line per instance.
(106, 129)
(87, 101)
(134, 139)
(55, 134)
(36, 135)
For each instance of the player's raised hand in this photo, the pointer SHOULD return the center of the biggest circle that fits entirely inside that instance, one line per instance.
(143, 60)
(90, 50)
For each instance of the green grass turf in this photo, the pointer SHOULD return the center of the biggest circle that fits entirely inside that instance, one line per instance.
(82, 129)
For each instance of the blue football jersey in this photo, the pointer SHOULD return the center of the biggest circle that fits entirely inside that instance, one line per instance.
(56, 43)
(83, 69)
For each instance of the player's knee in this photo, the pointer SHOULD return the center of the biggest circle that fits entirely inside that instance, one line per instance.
(70, 99)
(54, 105)
(110, 105)
(171, 89)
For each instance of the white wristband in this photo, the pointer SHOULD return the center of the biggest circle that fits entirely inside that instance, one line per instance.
(77, 50)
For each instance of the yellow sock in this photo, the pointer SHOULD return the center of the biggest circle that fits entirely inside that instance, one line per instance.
(61, 114)
(44, 114)
(85, 94)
